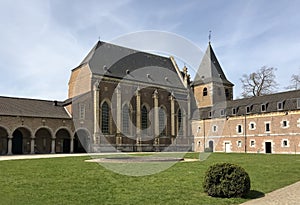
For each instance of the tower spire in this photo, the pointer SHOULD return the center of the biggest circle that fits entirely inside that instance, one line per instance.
(209, 36)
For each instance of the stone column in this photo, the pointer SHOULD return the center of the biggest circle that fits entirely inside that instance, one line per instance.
(138, 118)
(72, 145)
(156, 114)
(9, 145)
(172, 115)
(53, 146)
(32, 144)
(119, 115)
(96, 110)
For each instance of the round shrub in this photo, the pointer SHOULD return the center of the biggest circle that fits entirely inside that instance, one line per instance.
(226, 180)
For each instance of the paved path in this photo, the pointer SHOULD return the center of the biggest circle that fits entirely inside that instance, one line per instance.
(289, 195)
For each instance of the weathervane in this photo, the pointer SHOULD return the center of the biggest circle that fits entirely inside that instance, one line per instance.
(209, 37)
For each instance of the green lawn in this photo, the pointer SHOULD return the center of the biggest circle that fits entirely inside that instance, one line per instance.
(73, 181)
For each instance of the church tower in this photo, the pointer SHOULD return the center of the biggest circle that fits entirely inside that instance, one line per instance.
(210, 83)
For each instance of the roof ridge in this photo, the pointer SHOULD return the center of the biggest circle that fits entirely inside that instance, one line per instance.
(33, 99)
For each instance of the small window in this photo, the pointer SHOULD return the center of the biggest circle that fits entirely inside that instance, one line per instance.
(264, 107)
(234, 111)
(284, 123)
(227, 93)
(298, 102)
(204, 91)
(82, 111)
(248, 109)
(252, 143)
(280, 106)
(267, 127)
(239, 143)
(215, 128)
(222, 112)
(239, 129)
(199, 128)
(252, 126)
(210, 113)
(285, 143)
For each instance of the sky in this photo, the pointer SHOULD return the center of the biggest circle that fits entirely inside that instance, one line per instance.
(43, 40)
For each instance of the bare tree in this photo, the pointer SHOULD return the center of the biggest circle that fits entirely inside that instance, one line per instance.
(261, 82)
(295, 83)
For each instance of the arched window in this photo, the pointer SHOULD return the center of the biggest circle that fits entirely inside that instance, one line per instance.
(144, 119)
(105, 118)
(125, 119)
(179, 123)
(162, 121)
(205, 91)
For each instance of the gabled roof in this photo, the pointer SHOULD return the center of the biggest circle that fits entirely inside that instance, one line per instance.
(115, 61)
(210, 69)
(288, 99)
(31, 108)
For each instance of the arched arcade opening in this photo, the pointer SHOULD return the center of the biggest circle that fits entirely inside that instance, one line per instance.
(21, 141)
(3, 141)
(43, 140)
(62, 141)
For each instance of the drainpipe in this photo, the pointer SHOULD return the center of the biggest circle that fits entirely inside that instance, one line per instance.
(245, 131)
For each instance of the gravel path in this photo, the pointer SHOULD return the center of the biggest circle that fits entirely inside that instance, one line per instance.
(289, 195)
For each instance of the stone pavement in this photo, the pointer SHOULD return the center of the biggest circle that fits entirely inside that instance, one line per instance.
(289, 195)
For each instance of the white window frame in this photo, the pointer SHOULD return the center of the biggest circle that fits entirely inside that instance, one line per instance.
(237, 129)
(282, 124)
(254, 126)
(239, 143)
(253, 143)
(287, 143)
(215, 128)
(234, 111)
(267, 131)
(263, 107)
(281, 105)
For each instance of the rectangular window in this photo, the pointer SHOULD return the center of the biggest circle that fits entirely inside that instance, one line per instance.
(252, 126)
(252, 143)
(82, 111)
(209, 114)
(268, 129)
(285, 143)
(284, 123)
(234, 111)
(248, 109)
(264, 107)
(298, 103)
(239, 143)
(239, 129)
(215, 128)
(280, 106)
(222, 112)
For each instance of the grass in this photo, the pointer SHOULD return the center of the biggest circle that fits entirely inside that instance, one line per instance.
(73, 181)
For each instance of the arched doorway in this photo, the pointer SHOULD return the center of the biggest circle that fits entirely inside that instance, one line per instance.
(21, 141)
(63, 141)
(3, 141)
(81, 141)
(43, 140)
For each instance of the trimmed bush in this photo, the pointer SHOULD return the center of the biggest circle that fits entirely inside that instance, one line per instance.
(226, 180)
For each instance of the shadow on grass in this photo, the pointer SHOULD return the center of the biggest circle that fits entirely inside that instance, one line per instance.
(253, 194)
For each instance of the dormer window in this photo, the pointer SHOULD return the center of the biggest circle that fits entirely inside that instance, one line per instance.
(280, 105)
(248, 109)
(205, 91)
(298, 103)
(264, 107)
(234, 111)
(222, 112)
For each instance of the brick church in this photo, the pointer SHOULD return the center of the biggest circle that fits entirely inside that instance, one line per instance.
(121, 99)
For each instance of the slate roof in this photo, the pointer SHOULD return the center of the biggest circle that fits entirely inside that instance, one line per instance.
(289, 100)
(115, 61)
(31, 108)
(210, 69)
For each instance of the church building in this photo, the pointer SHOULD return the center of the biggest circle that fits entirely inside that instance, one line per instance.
(121, 99)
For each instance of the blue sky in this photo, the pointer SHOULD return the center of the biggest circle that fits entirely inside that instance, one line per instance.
(41, 41)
